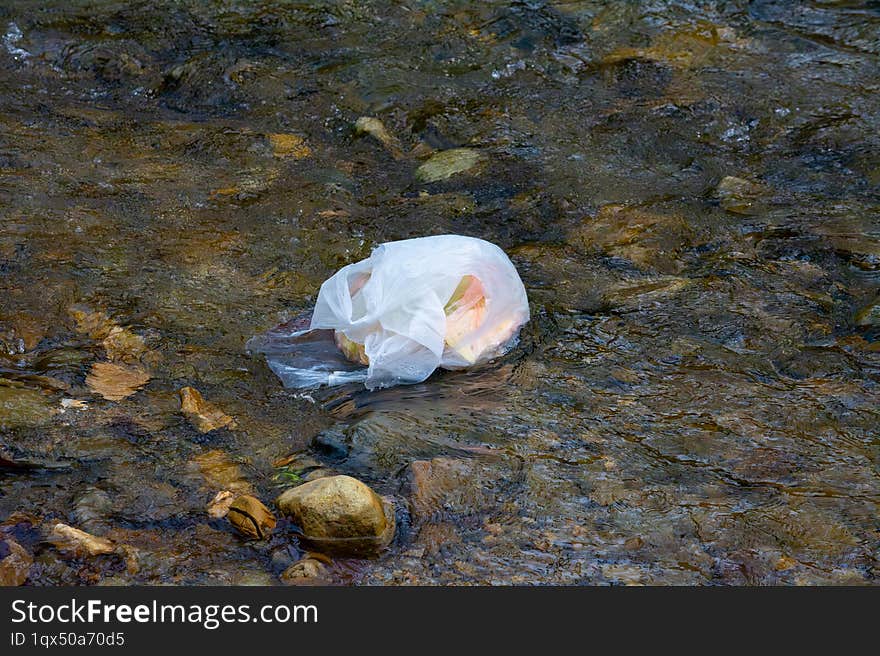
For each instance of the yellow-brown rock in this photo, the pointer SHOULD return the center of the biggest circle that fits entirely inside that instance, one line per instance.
(251, 517)
(339, 513)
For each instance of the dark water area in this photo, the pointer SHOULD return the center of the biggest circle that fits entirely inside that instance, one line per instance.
(689, 191)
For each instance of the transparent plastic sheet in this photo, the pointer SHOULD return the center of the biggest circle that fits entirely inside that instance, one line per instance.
(415, 305)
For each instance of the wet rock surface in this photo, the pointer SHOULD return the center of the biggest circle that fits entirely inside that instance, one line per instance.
(308, 571)
(15, 563)
(689, 191)
(251, 517)
(339, 513)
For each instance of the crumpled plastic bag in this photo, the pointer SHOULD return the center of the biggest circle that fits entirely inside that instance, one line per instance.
(414, 305)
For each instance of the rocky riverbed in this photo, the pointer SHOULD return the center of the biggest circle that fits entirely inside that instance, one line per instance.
(689, 191)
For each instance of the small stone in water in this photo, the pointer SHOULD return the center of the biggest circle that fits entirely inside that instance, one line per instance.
(447, 163)
(221, 472)
(376, 129)
(15, 563)
(79, 543)
(116, 381)
(218, 507)
(251, 517)
(205, 416)
(123, 345)
(869, 315)
(289, 145)
(94, 323)
(308, 571)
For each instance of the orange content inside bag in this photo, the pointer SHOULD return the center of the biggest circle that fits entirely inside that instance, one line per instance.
(465, 312)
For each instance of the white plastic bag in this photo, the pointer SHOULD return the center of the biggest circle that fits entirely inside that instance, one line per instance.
(411, 307)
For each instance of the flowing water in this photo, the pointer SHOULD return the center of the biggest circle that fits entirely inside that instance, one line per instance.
(688, 189)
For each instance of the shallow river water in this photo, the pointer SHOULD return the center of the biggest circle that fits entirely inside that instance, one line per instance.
(688, 189)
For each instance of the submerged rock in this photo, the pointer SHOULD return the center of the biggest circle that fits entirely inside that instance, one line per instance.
(75, 542)
(308, 571)
(219, 506)
(251, 517)
(638, 293)
(332, 444)
(447, 163)
(116, 381)
(648, 240)
(94, 323)
(289, 145)
(15, 563)
(339, 513)
(221, 472)
(28, 328)
(92, 509)
(869, 316)
(443, 486)
(21, 406)
(121, 344)
(205, 416)
(741, 196)
(376, 129)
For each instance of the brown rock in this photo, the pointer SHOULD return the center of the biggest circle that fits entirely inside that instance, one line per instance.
(251, 517)
(339, 513)
(204, 416)
(116, 381)
(289, 145)
(376, 129)
(15, 563)
(653, 241)
(221, 472)
(123, 345)
(94, 323)
(219, 506)
(79, 543)
(308, 571)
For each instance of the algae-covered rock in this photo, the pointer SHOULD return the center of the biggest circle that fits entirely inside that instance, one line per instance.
(22, 406)
(869, 316)
(447, 163)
